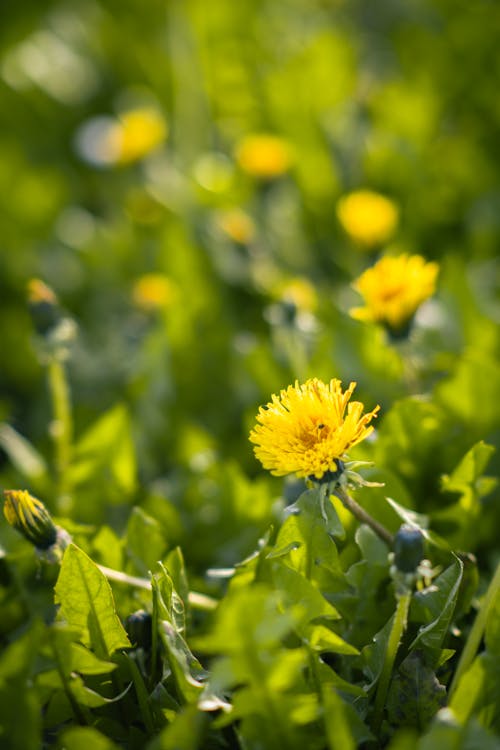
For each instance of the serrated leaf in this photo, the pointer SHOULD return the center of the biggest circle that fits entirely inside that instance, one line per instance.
(187, 671)
(294, 590)
(415, 694)
(86, 603)
(440, 600)
(306, 537)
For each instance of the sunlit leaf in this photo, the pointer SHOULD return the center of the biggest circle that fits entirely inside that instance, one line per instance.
(86, 603)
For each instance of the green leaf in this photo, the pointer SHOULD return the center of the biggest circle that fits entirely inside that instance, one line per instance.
(297, 594)
(492, 631)
(306, 538)
(338, 732)
(17, 658)
(86, 603)
(294, 590)
(86, 662)
(104, 454)
(478, 693)
(184, 733)
(83, 738)
(415, 695)
(144, 543)
(464, 477)
(20, 712)
(188, 674)
(249, 621)
(440, 601)
(463, 521)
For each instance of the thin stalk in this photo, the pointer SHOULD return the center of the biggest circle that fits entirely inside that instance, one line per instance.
(362, 515)
(477, 631)
(195, 599)
(62, 428)
(397, 630)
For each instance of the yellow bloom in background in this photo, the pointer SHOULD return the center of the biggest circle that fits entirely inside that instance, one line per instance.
(394, 288)
(264, 156)
(298, 292)
(106, 141)
(237, 225)
(153, 291)
(368, 217)
(137, 133)
(30, 517)
(305, 430)
(39, 292)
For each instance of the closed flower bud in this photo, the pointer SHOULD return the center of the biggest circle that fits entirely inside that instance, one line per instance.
(30, 517)
(138, 626)
(408, 549)
(43, 306)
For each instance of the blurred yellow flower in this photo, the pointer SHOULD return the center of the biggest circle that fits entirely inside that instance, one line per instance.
(394, 288)
(137, 133)
(368, 217)
(237, 225)
(263, 155)
(298, 292)
(29, 516)
(39, 292)
(153, 291)
(305, 430)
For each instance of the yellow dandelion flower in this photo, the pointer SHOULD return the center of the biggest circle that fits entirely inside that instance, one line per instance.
(305, 430)
(136, 134)
(394, 288)
(264, 156)
(29, 516)
(237, 225)
(153, 291)
(368, 217)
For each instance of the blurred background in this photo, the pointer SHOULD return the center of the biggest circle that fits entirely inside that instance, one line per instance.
(175, 170)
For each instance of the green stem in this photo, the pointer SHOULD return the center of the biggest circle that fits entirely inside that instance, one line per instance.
(362, 515)
(397, 630)
(62, 427)
(477, 631)
(195, 599)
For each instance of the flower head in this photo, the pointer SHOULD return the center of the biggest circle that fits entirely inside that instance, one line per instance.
(367, 217)
(306, 431)
(263, 155)
(394, 288)
(30, 517)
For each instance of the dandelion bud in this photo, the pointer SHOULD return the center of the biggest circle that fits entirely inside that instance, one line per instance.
(43, 306)
(30, 517)
(55, 330)
(138, 626)
(408, 549)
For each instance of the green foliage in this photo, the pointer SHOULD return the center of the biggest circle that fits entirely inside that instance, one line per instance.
(191, 601)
